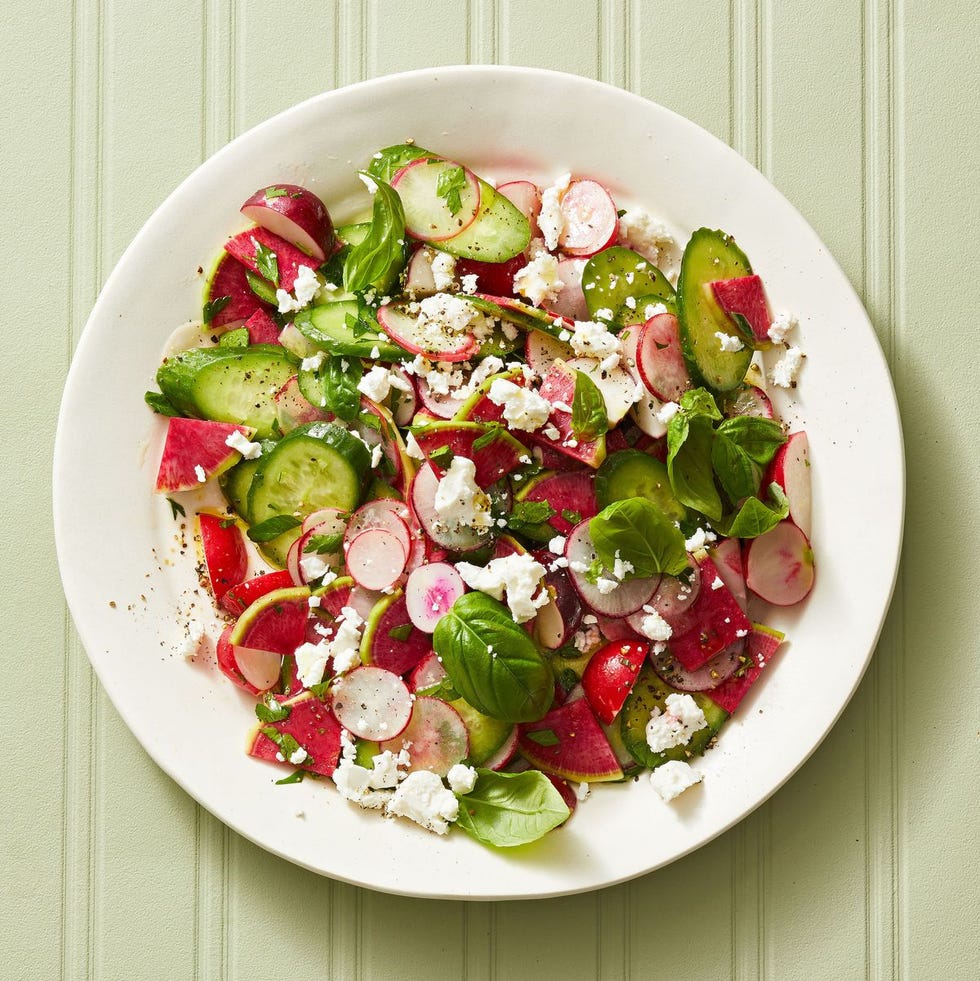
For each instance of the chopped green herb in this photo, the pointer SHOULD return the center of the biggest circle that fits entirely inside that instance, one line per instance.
(324, 544)
(160, 404)
(589, 417)
(261, 288)
(448, 186)
(271, 528)
(295, 777)
(176, 508)
(442, 457)
(320, 690)
(267, 262)
(572, 517)
(402, 632)
(544, 737)
(213, 307)
(275, 192)
(527, 515)
(484, 440)
(234, 338)
(271, 711)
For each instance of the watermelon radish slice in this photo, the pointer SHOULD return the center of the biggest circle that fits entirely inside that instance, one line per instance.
(610, 675)
(244, 246)
(428, 216)
(262, 329)
(314, 729)
(228, 279)
(615, 628)
(403, 403)
(225, 556)
(790, 468)
(659, 359)
(225, 655)
(428, 673)
(371, 703)
(558, 386)
(581, 753)
(591, 220)
(440, 406)
(762, 644)
(391, 640)
(744, 300)
(430, 592)
(194, 451)
(293, 409)
(376, 558)
(237, 599)
(779, 565)
(435, 737)
(403, 328)
(294, 214)
(727, 557)
(675, 596)
(500, 456)
(710, 675)
(570, 302)
(423, 496)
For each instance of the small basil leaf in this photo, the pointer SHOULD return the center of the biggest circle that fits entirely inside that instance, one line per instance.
(754, 518)
(266, 531)
(589, 418)
(448, 185)
(689, 464)
(543, 737)
(379, 257)
(324, 544)
(267, 262)
(641, 534)
(261, 288)
(527, 516)
(758, 438)
(213, 307)
(401, 632)
(736, 472)
(160, 404)
(271, 711)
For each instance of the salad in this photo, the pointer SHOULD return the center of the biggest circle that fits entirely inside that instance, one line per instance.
(503, 490)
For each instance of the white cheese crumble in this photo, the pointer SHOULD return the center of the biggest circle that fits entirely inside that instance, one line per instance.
(621, 567)
(344, 648)
(376, 455)
(422, 798)
(539, 280)
(654, 626)
(313, 362)
(594, 340)
(192, 638)
(313, 566)
(643, 233)
(524, 408)
(557, 545)
(672, 778)
(606, 586)
(412, 447)
(676, 726)
(238, 441)
(461, 778)
(729, 343)
(305, 288)
(667, 412)
(376, 384)
(459, 502)
(468, 283)
(783, 323)
(699, 539)
(551, 219)
(653, 310)
(587, 638)
(785, 370)
(443, 270)
(200, 474)
(518, 575)
(717, 583)
(581, 791)
(443, 318)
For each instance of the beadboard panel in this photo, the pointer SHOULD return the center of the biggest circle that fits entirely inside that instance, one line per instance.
(864, 115)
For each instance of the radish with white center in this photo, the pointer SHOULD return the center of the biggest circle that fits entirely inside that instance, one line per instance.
(727, 556)
(441, 406)
(499, 759)
(750, 401)
(428, 214)
(435, 737)
(376, 558)
(659, 359)
(404, 399)
(419, 279)
(371, 703)
(675, 595)
(591, 221)
(526, 197)
(790, 468)
(428, 673)
(293, 409)
(295, 214)
(430, 592)
(541, 350)
(391, 516)
(259, 668)
(779, 565)
(411, 332)
(306, 562)
(615, 384)
(249, 248)
(560, 618)
(570, 301)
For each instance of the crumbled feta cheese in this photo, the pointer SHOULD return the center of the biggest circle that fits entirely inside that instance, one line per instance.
(376, 455)
(468, 283)
(412, 447)
(354, 784)
(443, 270)
(422, 798)
(551, 220)
(677, 725)
(490, 365)
(305, 288)
(524, 408)
(645, 234)
(606, 586)
(443, 318)
(594, 340)
(461, 778)
(717, 583)
(586, 639)
(238, 441)
(369, 183)
(667, 412)
(313, 602)
(518, 575)
(729, 343)
(672, 778)
(298, 756)
(552, 433)
(581, 790)
(539, 280)
(313, 362)
(200, 474)
(311, 662)
(783, 323)
(653, 310)
(557, 545)
(313, 566)
(376, 384)
(441, 377)
(699, 539)
(386, 769)
(192, 638)
(654, 626)
(459, 501)
(785, 370)
(621, 567)
(344, 648)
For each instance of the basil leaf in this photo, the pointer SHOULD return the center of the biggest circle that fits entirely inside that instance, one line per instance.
(485, 439)
(444, 690)
(387, 162)
(273, 527)
(377, 260)
(508, 809)
(320, 690)
(442, 456)
(267, 262)
(757, 438)
(213, 307)
(572, 517)
(160, 404)
(492, 662)
(176, 508)
(261, 288)
(699, 402)
(736, 472)
(641, 534)
(401, 632)
(234, 338)
(336, 383)
(755, 518)
(448, 185)
(543, 737)
(527, 516)
(295, 777)
(689, 466)
(323, 544)
(271, 711)
(589, 417)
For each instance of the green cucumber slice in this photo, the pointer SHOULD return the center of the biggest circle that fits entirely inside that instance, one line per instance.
(235, 483)
(616, 273)
(486, 735)
(354, 234)
(651, 692)
(318, 465)
(633, 473)
(343, 327)
(710, 255)
(228, 384)
(498, 233)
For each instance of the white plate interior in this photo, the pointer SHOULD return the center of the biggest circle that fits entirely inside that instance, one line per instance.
(117, 542)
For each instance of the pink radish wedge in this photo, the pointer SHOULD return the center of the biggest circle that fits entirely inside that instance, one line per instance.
(675, 596)
(403, 401)
(659, 358)
(376, 558)
(499, 759)
(428, 215)
(194, 451)
(790, 468)
(423, 497)
(403, 328)
(262, 329)
(591, 221)
(225, 556)
(245, 248)
(750, 401)
(372, 703)
(312, 726)
(744, 300)
(779, 565)
(295, 214)
(761, 645)
(727, 556)
(227, 293)
(610, 675)
(435, 737)
(430, 592)
(293, 409)
(419, 279)
(558, 619)
(225, 656)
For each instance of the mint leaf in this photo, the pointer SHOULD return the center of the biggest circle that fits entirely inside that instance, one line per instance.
(213, 307)
(442, 457)
(485, 439)
(448, 185)
(641, 534)
(589, 418)
(271, 711)
(234, 338)
(527, 516)
(294, 777)
(266, 262)
(266, 531)
(401, 632)
(261, 288)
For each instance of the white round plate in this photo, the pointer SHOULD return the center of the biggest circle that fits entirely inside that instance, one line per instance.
(130, 584)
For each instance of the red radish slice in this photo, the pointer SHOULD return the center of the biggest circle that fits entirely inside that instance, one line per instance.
(676, 595)
(571, 300)
(403, 328)
(372, 703)
(240, 597)
(259, 668)
(423, 495)
(645, 412)
(330, 519)
(376, 558)
(582, 751)
(419, 280)
(293, 409)
(441, 406)
(225, 556)
(659, 359)
(526, 197)
(190, 335)
(503, 756)
(430, 592)
(779, 565)
(610, 675)
(225, 654)
(591, 221)
(194, 451)
(229, 280)
(330, 524)
(762, 644)
(626, 598)
(312, 726)
(790, 468)
(727, 557)
(750, 401)
(744, 299)
(428, 673)
(436, 737)
(617, 629)
(403, 403)
(244, 247)
(295, 214)
(427, 214)
(616, 385)
(711, 674)
(262, 329)
(391, 516)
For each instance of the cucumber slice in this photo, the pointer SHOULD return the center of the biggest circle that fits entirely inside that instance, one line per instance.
(616, 273)
(520, 314)
(498, 233)
(354, 234)
(633, 473)
(318, 465)
(487, 735)
(428, 215)
(709, 256)
(327, 327)
(235, 484)
(651, 692)
(228, 384)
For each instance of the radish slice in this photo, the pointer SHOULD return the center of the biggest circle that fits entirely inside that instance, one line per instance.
(330, 519)
(570, 302)
(711, 674)
(727, 557)
(391, 516)
(427, 214)
(541, 351)
(427, 673)
(505, 754)
(259, 668)
(441, 406)
(403, 403)
(363, 601)
(293, 409)
(645, 412)
(751, 401)
(403, 328)
(376, 558)
(419, 280)
(295, 214)
(626, 598)
(372, 703)
(436, 737)
(430, 592)
(659, 359)
(616, 629)
(591, 221)
(423, 496)
(617, 386)
(561, 616)
(779, 565)
(526, 197)
(331, 524)
(790, 468)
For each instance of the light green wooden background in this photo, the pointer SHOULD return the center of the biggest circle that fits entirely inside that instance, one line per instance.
(865, 865)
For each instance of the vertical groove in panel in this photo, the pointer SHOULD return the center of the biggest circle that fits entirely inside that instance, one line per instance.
(613, 47)
(481, 47)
